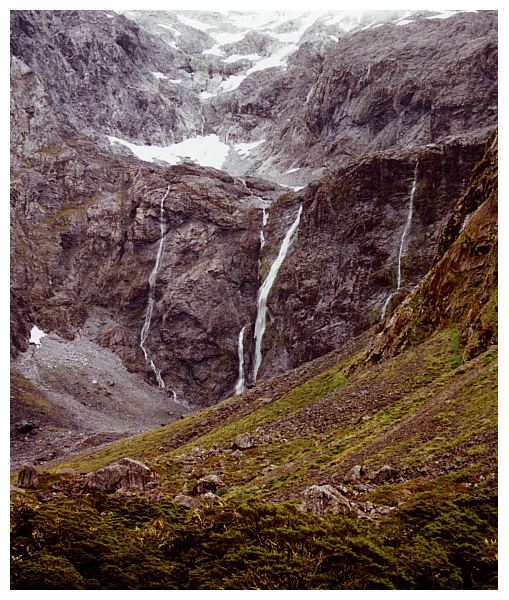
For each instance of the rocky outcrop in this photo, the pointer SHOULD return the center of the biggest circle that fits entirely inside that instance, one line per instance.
(126, 474)
(320, 499)
(86, 231)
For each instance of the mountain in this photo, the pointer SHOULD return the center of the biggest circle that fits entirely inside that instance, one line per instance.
(264, 244)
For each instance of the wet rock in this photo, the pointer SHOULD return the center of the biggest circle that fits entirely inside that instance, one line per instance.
(243, 441)
(126, 474)
(320, 499)
(209, 483)
(28, 477)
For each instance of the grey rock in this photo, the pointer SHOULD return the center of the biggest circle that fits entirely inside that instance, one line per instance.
(354, 474)
(126, 474)
(209, 483)
(25, 427)
(187, 501)
(320, 499)
(386, 473)
(244, 441)
(209, 496)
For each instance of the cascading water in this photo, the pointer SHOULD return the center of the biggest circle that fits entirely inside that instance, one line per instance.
(151, 295)
(240, 386)
(264, 291)
(402, 242)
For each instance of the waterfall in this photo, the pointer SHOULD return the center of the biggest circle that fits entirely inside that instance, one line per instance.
(202, 120)
(402, 241)
(265, 219)
(240, 386)
(151, 295)
(264, 291)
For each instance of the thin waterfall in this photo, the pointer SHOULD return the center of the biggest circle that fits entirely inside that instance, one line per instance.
(402, 242)
(264, 291)
(240, 386)
(265, 219)
(151, 294)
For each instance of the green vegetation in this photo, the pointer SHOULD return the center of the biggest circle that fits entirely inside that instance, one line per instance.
(104, 542)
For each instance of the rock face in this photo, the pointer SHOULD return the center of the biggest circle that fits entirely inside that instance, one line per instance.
(105, 69)
(126, 474)
(320, 499)
(389, 86)
(461, 287)
(343, 262)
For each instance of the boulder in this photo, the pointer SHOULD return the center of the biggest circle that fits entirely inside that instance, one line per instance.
(243, 441)
(386, 473)
(354, 474)
(320, 499)
(209, 483)
(126, 474)
(27, 477)
(187, 501)
(25, 426)
(210, 496)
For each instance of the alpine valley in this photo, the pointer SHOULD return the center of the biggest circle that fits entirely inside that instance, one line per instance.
(254, 300)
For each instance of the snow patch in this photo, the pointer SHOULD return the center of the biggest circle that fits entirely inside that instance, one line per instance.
(110, 16)
(292, 170)
(171, 28)
(194, 23)
(334, 38)
(405, 22)
(215, 51)
(175, 80)
(236, 57)
(274, 60)
(158, 75)
(232, 83)
(444, 14)
(243, 149)
(262, 19)
(36, 335)
(206, 95)
(207, 151)
(223, 37)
